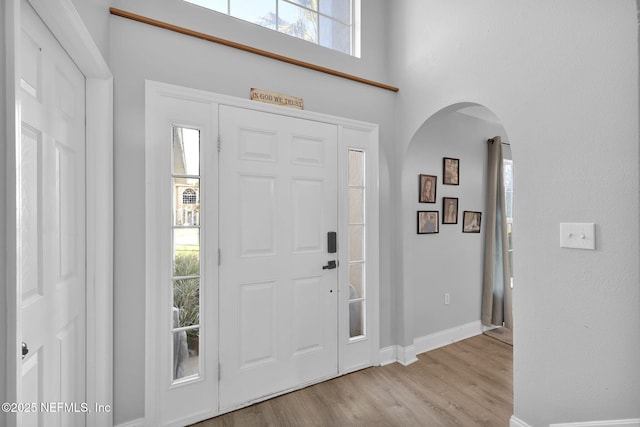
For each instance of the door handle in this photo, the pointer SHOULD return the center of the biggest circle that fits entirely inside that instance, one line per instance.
(25, 349)
(330, 266)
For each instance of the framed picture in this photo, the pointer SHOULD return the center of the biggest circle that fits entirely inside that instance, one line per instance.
(471, 222)
(427, 188)
(428, 222)
(450, 171)
(449, 210)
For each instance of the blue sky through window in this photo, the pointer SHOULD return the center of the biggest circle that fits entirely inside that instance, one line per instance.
(324, 22)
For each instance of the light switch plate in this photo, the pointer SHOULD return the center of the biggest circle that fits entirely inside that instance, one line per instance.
(578, 235)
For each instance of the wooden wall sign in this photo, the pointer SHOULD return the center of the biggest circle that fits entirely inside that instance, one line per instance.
(276, 98)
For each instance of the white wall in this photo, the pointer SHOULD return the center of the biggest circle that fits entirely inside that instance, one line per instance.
(95, 14)
(450, 261)
(563, 79)
(372, 63)
(140, 52)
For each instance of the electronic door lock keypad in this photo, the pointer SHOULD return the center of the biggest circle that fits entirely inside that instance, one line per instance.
(332, 245)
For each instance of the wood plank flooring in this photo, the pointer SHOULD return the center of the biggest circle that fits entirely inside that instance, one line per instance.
(468, 383)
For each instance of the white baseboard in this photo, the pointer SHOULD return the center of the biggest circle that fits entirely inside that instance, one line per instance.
(609, 423)
(133, 423)
(407, 355)
(388, 355)
(397, 354)
(517, 422)
(448, 336)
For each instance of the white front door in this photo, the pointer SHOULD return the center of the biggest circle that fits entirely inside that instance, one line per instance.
(51, 212)
(278, 198)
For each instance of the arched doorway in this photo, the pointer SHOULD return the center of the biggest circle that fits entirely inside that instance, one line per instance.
(443, 270)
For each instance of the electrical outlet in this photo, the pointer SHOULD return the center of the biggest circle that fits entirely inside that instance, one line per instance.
(447, 298)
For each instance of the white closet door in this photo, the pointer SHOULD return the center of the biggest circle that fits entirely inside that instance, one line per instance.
(278, 198)
(51, 190)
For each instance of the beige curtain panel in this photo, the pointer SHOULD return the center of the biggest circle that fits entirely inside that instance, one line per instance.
(496, 287)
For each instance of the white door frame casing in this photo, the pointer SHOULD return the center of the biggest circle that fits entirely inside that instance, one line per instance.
(67, 26)
(352, 135)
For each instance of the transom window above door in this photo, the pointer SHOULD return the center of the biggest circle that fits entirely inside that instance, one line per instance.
(328, 23)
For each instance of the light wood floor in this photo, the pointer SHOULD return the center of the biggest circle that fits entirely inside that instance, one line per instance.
(468, 383)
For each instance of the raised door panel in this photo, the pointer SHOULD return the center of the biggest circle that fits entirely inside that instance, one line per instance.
(308, 334)
(307, 214)
(258, 210)
(257, 319)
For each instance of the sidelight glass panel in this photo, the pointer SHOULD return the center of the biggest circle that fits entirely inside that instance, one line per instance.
(356, 168)
(186, 201)
(186, 272)
(356, 243)
(356, 319)
(356, 240)
(186, 252)
(186, 151)
(356, 206)
(356, 281)
(186, 298)
(186, 353)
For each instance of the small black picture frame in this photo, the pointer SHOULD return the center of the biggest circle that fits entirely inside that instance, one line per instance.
(471, 221)
(428, 222)
(450, 171)
(427, 186)
(449, 210)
